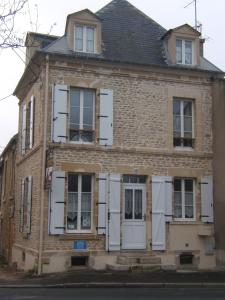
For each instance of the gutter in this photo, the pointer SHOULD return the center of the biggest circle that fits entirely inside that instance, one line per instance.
(41, 239)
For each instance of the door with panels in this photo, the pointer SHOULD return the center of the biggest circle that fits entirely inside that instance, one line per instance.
(134, 213)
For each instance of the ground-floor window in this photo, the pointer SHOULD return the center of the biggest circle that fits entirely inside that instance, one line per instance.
(79, 202)
(184, 198)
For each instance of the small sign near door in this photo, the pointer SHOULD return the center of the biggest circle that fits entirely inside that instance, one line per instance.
(80, 245)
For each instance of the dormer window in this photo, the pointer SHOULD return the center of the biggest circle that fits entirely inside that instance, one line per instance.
(84, 40)
(184, 52)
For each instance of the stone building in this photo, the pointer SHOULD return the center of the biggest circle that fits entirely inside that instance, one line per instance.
(115, 154)
(7, 199)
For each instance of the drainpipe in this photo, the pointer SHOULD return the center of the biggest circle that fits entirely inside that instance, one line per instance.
(40, 252)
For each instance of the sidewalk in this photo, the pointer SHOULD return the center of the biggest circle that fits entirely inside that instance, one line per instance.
(89, 278)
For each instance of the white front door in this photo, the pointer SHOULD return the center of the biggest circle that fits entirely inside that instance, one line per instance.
(134, 216)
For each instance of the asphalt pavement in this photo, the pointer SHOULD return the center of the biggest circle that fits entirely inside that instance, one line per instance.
(111, 279)
(112, 294)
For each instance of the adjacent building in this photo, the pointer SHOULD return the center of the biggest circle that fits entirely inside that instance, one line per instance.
(115, 146)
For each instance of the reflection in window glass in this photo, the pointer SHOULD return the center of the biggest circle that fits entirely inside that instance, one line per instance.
(128, 204)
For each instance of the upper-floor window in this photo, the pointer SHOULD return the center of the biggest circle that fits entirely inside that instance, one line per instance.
(81, 121)
(184, 198)
(27, 134)
(84, 40)
(183, 135)
(184, 52)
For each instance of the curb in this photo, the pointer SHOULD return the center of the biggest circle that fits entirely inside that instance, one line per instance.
(119, 285)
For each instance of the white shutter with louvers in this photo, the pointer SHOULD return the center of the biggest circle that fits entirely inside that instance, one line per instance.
(168, 198)
(102, 202)
(31, 122)
(114, 212)
(29, 204)
(158, 213)
(23, 134)
(60, 113)
(106, 117)
(207, 215)
(21, 205)
(57, 203)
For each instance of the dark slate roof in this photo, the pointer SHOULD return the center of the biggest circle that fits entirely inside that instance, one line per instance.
(129, 35)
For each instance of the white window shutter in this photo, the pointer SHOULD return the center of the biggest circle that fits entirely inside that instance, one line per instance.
(168, 198)
(57, 203)
(114, 212)
(60, 113)
(29, 204)
(21, 205)
(102, 203)
(106, 117)
(31, 121)
(207, 215)
(158, 213)
(23, 136)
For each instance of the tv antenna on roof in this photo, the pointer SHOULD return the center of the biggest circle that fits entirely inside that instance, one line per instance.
(198, 26)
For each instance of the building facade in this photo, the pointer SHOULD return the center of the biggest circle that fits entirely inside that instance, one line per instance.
(115, 146)
(7, 197)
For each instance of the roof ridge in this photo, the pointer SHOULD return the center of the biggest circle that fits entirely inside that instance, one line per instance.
(110, 4)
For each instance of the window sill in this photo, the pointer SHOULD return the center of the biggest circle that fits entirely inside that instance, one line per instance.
(184, 148)
(78, 236)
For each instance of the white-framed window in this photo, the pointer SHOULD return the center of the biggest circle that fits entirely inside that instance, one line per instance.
(27, 137)
(184, 52)
(183, 123)
(82, 115)
(25, 206)
(84, 38)
(184, 198)
(79, 203)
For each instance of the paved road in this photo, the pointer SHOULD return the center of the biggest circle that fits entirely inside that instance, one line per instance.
(111, 293)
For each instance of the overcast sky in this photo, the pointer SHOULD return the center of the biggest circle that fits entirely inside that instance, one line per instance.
(168, 13)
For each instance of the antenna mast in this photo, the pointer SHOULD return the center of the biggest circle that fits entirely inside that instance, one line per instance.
(198, 26)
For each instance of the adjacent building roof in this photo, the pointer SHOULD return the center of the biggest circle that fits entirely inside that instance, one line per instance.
(129, 36)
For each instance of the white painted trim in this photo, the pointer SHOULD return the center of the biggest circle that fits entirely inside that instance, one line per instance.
(79, 230)
(183, 201)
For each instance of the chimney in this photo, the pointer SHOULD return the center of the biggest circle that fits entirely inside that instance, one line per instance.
(201, 46)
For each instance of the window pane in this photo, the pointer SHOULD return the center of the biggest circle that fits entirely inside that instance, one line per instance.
(87, 137)
(188, 185)
(85, 220)
(86, 202)
(187, 108)
(179, 51)
(138, 205)
(187, 124)
(189, 213)
(88, 110)
(73, 183)
(188, 199)
(177, 185)
(178, 204)
(75, 117)
(74, 135)
(90, 34)
(90, 39)
(88, 119)
(177, 125)
(79, 38)
(75, 98)
(74, 111)
(176, 107)
(72, 208)
(128, 204)
(86, 183)
(188, 52)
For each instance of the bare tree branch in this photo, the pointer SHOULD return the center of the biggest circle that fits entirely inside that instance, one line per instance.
(9, 10)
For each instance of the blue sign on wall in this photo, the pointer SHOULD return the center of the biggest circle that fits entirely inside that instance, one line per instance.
(80, 245)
